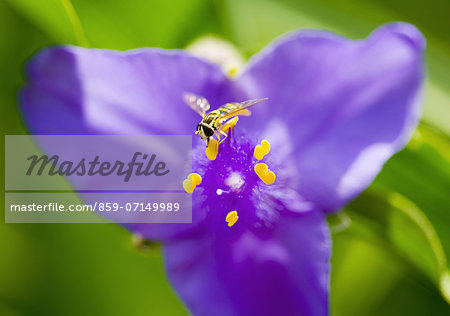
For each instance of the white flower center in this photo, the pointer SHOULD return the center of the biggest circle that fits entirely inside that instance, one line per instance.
(235, 181)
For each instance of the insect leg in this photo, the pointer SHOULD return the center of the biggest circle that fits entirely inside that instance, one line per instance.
(224, 134)
(217, 135)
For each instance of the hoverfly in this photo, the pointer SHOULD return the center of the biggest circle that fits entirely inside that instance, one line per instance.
(213, 122)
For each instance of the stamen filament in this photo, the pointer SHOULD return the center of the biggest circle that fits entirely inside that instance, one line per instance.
(220, 192)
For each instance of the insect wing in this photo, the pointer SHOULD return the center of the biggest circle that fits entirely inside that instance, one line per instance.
(197, 103)
(249, 103)
(241, 108)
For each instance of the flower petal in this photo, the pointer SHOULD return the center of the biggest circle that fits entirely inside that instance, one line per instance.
(162, 232)
(347, 106)
(244, 272)
(73, 90)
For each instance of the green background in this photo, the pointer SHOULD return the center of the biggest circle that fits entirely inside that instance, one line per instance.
(391, 259)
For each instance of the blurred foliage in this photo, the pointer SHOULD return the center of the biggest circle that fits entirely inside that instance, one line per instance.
(405, 213)
(254, 23)
(390, 260)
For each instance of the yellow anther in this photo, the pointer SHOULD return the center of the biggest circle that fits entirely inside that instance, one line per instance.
(263, 172)
(191, 182)
(232, 71)
(213, 149)
(230, 124)
(232, 218)
(262, 150)
(195, 178)
(187, 186)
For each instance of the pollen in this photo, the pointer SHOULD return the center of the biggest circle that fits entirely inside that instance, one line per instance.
(230, 124)
(191, 182)
(231, 218)
(264, 173)
(212, 149)
(262, 150)
(232, 71)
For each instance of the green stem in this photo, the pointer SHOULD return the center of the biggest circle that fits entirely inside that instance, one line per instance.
(412, 211)
(75, 22)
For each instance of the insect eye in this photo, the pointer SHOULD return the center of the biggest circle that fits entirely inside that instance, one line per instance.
(208, 131)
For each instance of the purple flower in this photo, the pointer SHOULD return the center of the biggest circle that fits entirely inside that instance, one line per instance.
(337, 110)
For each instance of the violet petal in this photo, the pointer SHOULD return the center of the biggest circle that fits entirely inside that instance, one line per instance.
(345, 106)
(241, 272)
(73, 90)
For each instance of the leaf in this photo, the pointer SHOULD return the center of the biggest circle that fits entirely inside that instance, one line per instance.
(118, 24)
(407, 207)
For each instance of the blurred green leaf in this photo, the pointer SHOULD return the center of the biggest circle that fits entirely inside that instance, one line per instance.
(409, 208)
(81, 269)
(48, 15)
(421, 173)
(120, 24)
(397, 224)
(371, 277)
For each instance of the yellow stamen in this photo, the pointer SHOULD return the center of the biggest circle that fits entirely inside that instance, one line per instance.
(262, 150)
(232, 218)
(191, 182)
(187, 186)
(232, 71)
(230, 124)
(196, 179)
(263, 172)
(212, 149)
